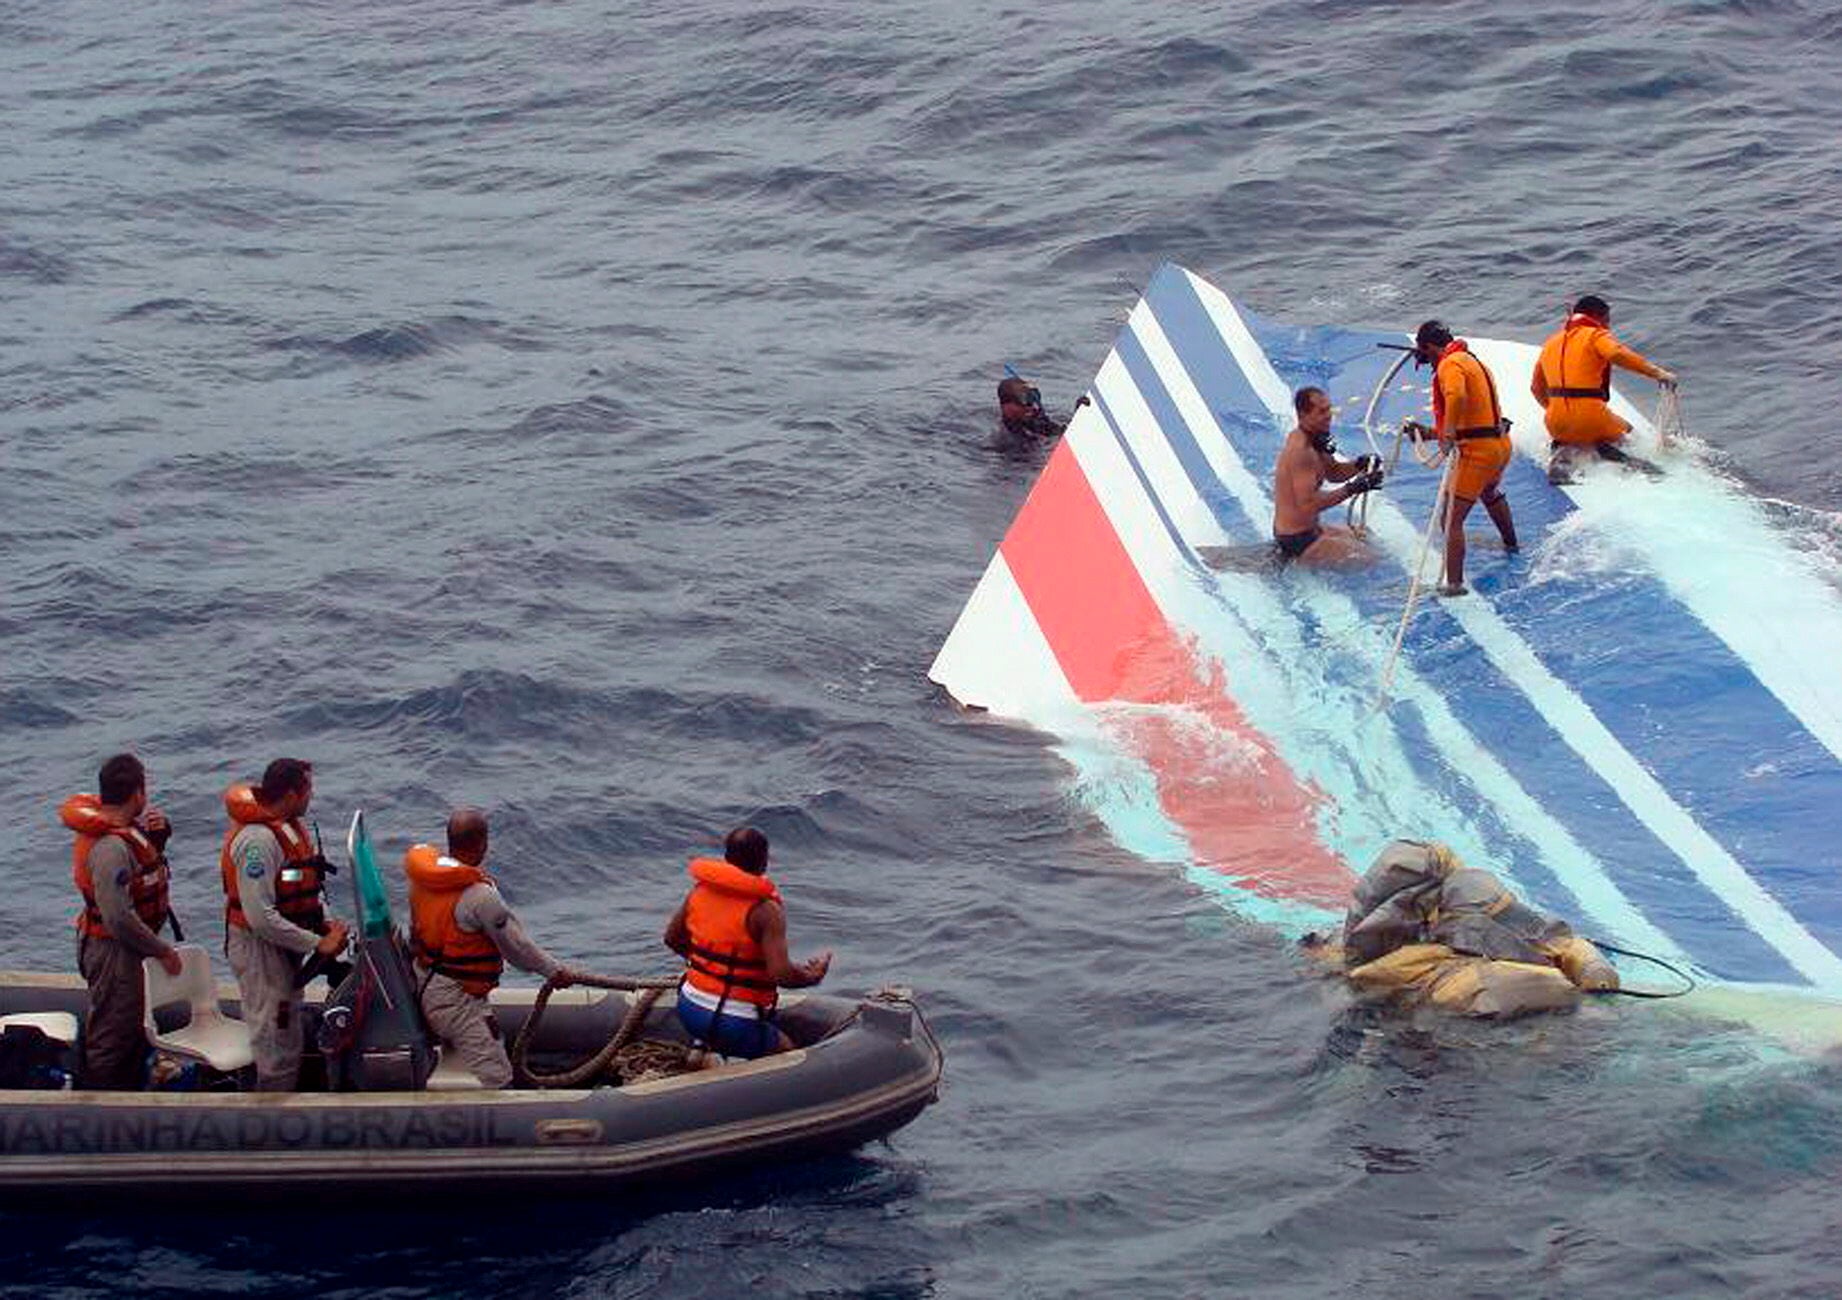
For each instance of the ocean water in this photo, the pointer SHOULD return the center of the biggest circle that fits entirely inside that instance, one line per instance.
(586, 411)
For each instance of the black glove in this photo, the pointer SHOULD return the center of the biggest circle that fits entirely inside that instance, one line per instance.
(158, 838)
(1367, 481)
(1368, 461)
(1415, 430)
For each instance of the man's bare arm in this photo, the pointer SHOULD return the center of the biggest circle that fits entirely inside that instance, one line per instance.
(768, 923)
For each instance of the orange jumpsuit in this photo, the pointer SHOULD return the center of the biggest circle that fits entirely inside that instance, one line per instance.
(1462, 386)
(1575, 373)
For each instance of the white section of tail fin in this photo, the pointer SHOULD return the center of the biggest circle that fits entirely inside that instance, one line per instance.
(996, 657)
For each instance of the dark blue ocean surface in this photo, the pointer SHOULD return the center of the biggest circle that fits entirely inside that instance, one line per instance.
(586, 411)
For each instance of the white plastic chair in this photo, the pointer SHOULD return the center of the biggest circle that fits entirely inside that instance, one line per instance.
(208, 1035)
(449, 1075)
(58, 1026)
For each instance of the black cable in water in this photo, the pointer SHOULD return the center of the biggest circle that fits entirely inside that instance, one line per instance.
(1688, 981)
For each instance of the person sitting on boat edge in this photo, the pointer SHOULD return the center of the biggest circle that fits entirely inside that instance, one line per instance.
(1573, 383)
(274, 914)
(731, 931)
(461, 934)
(1020, 408)
(1307, 461)
(1469, 424)
(118, 862)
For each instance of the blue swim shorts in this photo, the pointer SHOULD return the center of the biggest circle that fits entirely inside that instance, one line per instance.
(743, 1036)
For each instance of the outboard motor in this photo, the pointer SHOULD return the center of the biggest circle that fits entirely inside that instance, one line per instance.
(371, 1031)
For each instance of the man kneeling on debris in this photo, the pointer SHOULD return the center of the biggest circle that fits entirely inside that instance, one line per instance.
(1427, 927)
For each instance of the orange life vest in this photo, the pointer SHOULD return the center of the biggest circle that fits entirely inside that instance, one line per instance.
(725, 961)
(1480, 417)
(1572, 365)
(147, 884)
(297, 887)
(436, 883)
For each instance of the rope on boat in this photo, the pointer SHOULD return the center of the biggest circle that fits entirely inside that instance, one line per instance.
(592, 1068)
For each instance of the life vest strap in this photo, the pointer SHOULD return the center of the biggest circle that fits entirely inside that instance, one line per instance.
(728, 976)
(1603, 393)
(727, 959)
(1479, 431)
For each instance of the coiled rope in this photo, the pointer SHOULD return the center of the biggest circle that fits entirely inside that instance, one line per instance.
(592, 1068)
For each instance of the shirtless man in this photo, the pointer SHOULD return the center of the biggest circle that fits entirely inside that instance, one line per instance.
(1306, 463)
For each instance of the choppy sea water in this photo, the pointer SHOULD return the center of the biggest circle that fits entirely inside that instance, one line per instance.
(587, 413)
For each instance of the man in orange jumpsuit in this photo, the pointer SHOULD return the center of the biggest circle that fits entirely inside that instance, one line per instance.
(1573, 383)
(1471, 427)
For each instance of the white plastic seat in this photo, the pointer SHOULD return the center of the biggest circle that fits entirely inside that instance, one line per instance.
(208, 1035)
(449, 1075)
(58, 1026)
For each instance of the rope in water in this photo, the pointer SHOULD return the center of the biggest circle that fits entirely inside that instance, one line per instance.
(592, 1068)
(1688, 981)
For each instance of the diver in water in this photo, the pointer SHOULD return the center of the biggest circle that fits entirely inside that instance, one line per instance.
(1020, 407)
(1573, 383)
(1308, 461)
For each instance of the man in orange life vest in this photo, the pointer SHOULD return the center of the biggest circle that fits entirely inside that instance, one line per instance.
(732, 933)
(461, 933)
(1573, 383)
(1470, 426)
(119, 865)
(273, 912)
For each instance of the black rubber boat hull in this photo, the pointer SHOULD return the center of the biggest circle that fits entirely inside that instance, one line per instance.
(870, 1068)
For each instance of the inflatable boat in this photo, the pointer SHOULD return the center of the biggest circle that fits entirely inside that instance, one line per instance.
(380, 1109)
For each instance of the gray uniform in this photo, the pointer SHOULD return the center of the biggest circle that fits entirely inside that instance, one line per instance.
(114, 1039)
(266, 957)
(457, 1016)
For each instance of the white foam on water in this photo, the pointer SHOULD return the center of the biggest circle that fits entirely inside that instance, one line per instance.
(1776, 606)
